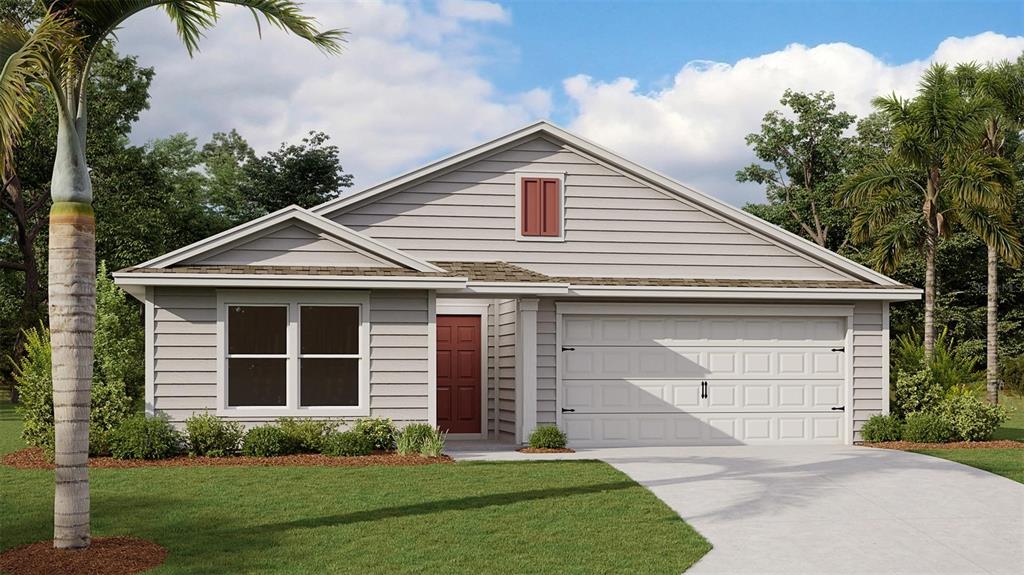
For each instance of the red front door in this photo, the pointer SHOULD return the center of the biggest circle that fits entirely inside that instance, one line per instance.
(458, 373)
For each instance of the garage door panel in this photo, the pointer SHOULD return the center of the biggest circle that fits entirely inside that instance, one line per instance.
(636, 363)
(672, 331)
(703, 429)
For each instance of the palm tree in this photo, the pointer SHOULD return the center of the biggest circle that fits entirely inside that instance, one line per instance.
(934, 177)
(56, 56)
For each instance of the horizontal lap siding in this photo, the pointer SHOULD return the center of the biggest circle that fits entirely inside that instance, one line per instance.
(491, 385)
(185, 354)
(614, 225)
(869, 363)
(293, 245)
(546, 356)
(507, 369)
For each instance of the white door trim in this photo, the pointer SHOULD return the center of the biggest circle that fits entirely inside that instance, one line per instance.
(473, 308)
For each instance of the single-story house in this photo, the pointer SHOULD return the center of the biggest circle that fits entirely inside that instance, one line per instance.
(534, 279)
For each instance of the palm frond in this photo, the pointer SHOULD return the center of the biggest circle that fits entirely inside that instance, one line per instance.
(880, 210)
(874, 179)
(892, 243)
(980, 179)
(995, 230)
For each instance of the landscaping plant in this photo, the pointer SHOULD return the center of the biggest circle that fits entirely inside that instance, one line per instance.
(142, 437)
(915, 392)
(1012, 375)
(882, 428)
(927, 427)
(433, 444)
(210, 436)
(380, 430)
(348, 444)
(267, 441)
(414, 436)
(970, 418)
(305, 435)
(548, 437)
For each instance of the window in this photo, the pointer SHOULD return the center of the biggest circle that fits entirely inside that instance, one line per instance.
(293, 353)
(539, 206)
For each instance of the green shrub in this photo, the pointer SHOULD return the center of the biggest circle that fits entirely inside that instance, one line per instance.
(970, 418)
(347, 443)
(926, 427)
(413, 436)
(380, 430)
(951, 364)
(305, 435)
(109, 404)
(267, 441)
(142, 437)
(211, 436)
(433, 444)
(120, 342)
(548, 437)
(882, 428)
(1011, 374)
(914, 392)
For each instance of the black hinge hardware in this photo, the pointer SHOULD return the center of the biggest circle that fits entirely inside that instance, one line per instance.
(564, 410)
(840, 408)
(838, 349)
(703, 390)
(568, 348)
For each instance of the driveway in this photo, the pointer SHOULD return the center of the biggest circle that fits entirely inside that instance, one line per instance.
(827, 509)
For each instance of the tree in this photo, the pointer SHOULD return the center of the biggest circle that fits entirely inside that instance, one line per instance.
(57, 55)
(934, 177)
(803, 163)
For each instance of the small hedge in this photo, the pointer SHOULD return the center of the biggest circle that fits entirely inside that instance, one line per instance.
(882, 428)
(267, 441)
(970, 418)
(421, 438)
(926, 427)
(305, 435)
(548, 437)
(210, 436)
(381, 431)
(348, 444)
(142, 437)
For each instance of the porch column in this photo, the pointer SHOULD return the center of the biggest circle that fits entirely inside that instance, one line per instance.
(526, 352)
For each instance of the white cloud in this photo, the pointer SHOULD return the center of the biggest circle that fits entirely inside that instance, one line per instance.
(406, 89)
(693, 129)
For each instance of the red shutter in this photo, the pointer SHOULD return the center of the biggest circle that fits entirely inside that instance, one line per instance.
(541, 207)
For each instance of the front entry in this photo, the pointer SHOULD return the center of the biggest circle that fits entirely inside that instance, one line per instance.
(458, 373)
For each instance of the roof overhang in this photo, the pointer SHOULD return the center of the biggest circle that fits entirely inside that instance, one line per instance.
(767, 293)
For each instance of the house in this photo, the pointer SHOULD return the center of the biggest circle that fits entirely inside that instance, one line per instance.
(534, 279)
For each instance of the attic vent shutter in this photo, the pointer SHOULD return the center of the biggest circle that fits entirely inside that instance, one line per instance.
(541, 204)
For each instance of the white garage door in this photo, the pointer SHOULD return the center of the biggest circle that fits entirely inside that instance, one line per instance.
(638, 380)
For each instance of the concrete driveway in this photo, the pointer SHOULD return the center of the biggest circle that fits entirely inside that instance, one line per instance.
(827, 509)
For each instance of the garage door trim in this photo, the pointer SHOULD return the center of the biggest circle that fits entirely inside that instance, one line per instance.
(688, 309)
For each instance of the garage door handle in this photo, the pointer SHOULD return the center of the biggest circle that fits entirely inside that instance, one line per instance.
(840, 408)
(703, 390)
(838, 349)
(568, 348)
(564, 410)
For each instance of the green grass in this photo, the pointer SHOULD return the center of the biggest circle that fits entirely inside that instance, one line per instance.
(546, 517)
(1006, 462)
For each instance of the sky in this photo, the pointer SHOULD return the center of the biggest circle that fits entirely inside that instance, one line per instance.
(674, 86)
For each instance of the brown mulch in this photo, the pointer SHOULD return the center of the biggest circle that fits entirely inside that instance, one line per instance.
(33, 458)
(105, 555)
(545, 450)
(909, 445)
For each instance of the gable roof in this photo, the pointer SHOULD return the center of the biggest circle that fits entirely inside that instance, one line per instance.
(296, 215)
(666, 185)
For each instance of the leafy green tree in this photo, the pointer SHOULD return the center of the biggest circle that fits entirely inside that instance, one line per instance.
(935, 176)
(120, 337)
(57, 55)
(802, 164)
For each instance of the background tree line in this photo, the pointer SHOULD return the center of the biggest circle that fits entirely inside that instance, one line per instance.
(149, 199)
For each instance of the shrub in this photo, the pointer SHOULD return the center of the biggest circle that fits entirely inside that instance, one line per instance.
(433, 444)
(970, 418)
(1012, 374)
(412, 438)
(267, 441)
(882, 428)
(380, 430)
(110, 407)
(212, 436)
(120, 338)
(926, 427)
(305, 435)
(142, 437)
(951, 364)
(347, 443)
(548, 437)
(914, 392)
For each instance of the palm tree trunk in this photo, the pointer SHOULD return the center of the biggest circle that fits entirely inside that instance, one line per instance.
(72, 323)
(929, 293)
(992, 356)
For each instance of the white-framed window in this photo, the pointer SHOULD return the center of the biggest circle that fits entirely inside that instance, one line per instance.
(540, 206)
(289, 353)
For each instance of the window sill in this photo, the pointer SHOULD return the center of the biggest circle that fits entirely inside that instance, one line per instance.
(522, 238)
(244, 412)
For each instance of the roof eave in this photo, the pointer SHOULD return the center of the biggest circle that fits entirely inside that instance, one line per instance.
(129, 280)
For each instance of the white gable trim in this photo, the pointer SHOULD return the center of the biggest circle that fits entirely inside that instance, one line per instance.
(327, 228)
(680, 191)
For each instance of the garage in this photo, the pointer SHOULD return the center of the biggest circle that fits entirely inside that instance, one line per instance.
(704, 374)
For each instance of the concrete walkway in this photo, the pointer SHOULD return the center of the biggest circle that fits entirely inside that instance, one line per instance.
(825, 509)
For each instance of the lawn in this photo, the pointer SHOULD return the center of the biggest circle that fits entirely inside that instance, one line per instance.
(546, 517)
(1006, 462)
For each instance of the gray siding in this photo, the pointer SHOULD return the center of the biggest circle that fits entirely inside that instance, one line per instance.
(293, 245)
(869, 363)
(491, 385)
(507, 369)
(546, 357)
(185, 348)
(614, 224)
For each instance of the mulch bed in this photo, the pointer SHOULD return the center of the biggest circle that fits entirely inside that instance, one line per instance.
(545, 450)
(33, 458)
(106, 556)
(909, 445)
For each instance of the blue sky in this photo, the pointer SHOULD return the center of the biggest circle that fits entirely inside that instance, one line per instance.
(672, 85)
